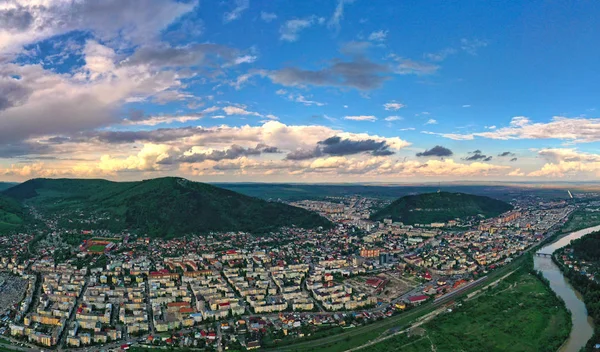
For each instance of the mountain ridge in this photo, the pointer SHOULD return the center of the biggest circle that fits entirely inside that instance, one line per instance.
(427, 208)
(165, 206)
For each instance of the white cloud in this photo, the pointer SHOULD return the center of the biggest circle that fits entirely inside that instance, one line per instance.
(431, 122)
(246, 59)
(290, 30)
(393, 118)
(440, 55)
(267, 16)
(299, 98)
(576, 130)
(136, 21)
(378, 36)
(516, 173)
(157, 120)
(235, 110)
(236, 13)
(407, 129)
(472, 46)
(338, 14)
(393, 106)
(369, 118)
(466, 106)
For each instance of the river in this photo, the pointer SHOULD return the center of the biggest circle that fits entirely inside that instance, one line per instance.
(583, 327)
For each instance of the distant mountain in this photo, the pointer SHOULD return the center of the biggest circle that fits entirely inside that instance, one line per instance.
(12, 214)
(440, 207)
(6, 185)
(161, 207)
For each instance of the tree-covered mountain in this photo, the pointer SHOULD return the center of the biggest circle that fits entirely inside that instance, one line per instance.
(440, 207)
(11, 214)
(161, 207)
(6, 185)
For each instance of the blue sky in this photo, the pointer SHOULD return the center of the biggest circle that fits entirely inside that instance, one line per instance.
(303, 91)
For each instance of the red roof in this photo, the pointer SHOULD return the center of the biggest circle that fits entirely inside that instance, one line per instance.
(418, 298)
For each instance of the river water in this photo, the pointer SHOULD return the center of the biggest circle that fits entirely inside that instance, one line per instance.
(583, 327)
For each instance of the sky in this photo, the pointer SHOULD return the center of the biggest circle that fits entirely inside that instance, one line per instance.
(300, 91)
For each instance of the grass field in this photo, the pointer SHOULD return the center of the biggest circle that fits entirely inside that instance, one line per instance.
(97, 248)
(519, 314)
(581, 219)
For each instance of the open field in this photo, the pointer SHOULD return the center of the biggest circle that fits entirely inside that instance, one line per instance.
(97, 248)
(394, 285)
(519, 314)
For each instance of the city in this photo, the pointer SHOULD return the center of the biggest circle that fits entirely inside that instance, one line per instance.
(235, 289)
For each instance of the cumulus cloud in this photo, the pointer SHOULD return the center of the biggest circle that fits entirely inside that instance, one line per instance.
(431, 122)
(563, 162)
(135, 21)
(197, 154)
(438, 151)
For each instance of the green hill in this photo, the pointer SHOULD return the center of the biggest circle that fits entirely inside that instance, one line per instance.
(159, 207)
(11, 215)
(440, 207)
(6, 185)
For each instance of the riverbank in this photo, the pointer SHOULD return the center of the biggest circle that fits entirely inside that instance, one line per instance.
(588, 288)
(583, 327)
(519, 313)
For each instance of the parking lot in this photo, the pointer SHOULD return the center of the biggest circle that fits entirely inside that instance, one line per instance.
(12, 289)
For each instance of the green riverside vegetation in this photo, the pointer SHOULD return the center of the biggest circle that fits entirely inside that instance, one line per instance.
(581, 219)
(166, 207)
(587, 248)
(440, 207)
(521, 313)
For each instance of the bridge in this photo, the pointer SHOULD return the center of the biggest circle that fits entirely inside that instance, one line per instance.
(540, 254)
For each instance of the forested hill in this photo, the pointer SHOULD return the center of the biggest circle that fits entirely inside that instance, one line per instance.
(12, 214)
(440, 207)
(6, 185)
(161, 207)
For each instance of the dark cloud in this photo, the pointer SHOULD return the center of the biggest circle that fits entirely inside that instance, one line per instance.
(359, 73)
(160, 135)
(338, 147)
(513, 159)
(438, 150)
(167, 56)
(234, 152)
(506, 154)
(57, 140)
(304, 154)
(17, 19)
(12, 93)
(22, 149)
(476, 155)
